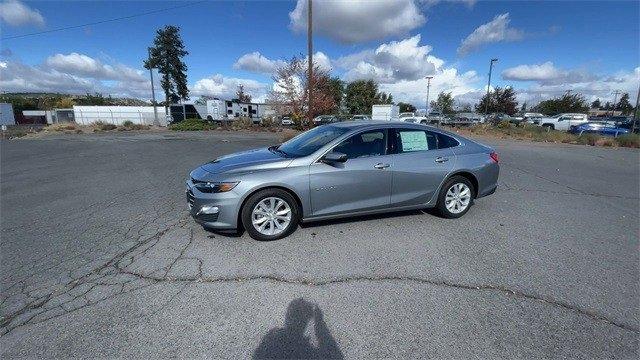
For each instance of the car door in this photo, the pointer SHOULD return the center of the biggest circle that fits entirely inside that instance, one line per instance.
(362, 182)
(421, 160)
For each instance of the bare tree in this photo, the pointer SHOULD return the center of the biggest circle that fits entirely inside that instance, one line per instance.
(289, 96)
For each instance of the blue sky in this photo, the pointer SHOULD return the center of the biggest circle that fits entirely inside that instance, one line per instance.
(543, 48)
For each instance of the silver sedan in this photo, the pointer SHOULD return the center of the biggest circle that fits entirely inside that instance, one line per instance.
(340, 170)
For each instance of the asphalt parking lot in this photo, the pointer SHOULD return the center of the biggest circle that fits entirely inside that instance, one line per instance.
(100, 259)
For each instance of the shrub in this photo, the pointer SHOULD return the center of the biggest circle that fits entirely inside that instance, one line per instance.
(192, 125)
(629, 140)
(127, 123)
(504, 124)
(62, 127)
(242, 124)
(588, 139)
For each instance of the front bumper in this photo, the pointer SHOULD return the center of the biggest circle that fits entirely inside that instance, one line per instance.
(214, 210)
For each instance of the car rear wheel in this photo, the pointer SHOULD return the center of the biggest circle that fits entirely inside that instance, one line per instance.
(270, 214)
(456, 197)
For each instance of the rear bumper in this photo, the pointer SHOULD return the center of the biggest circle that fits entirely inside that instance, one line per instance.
(214, 210)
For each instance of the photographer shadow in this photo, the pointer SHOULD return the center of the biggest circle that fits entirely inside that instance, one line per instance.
(290, 342)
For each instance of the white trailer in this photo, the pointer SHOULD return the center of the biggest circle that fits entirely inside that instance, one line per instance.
(385, 112)
(86, 115)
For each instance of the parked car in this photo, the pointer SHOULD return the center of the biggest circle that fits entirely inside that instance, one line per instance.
(436, 117)
(406, 114)
(360, 118)
(325, 119)
(532, 118)
(467, 118)
(415, 119)
(339, 170)
(598, 128)
(286, 121)
(564, 121)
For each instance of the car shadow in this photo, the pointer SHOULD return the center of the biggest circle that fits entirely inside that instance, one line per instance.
(290, 341)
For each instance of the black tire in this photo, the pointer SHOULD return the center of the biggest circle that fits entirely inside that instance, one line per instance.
(441, 206)
(548, 126)
(254, 199)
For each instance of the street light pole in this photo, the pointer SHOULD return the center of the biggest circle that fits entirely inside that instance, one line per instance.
(426, 109)
(153, 92)
(486, 105)
(310, 60)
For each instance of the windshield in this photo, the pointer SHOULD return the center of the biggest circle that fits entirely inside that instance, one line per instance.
(311, 141)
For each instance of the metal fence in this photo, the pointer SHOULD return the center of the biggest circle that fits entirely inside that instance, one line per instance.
(117, 115)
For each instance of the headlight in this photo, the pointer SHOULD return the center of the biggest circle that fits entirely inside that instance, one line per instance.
(216, 187)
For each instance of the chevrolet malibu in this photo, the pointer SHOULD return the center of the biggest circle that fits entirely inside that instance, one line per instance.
(340, 170)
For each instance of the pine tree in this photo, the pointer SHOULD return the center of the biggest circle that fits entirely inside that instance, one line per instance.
(166, 56)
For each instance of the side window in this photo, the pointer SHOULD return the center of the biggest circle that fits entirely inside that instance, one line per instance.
(445, 141)
(410, 140)
(369, 143)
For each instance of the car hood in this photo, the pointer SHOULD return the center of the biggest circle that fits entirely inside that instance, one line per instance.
(246, 161)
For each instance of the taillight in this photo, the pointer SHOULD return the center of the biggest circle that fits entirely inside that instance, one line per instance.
(494, 156)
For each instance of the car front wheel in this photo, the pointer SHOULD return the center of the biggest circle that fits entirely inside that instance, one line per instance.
(455, 198)
(270, 214)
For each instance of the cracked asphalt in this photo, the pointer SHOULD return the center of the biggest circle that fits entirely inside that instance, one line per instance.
(100, 259)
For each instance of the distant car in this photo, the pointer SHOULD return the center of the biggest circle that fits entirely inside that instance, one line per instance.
(564, 122)
(325, 119)
(532, 118)
(469, 117)
(406, 114)
(360, 118)
(415, 119)
(598, 128)
(286, 121)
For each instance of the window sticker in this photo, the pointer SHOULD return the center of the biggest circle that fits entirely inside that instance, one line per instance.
(413, 141)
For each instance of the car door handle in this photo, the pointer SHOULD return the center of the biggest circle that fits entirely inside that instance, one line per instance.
(381, 166)
(441, 159)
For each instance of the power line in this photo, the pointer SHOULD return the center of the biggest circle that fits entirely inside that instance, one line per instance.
(102, 21)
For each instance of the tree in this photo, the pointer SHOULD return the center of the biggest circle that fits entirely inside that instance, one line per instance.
(444, 103)
(384, 98)
(501, 100)
(64, 103)
(241, 96)
(596, 104)
(360, 96)
(166, 55)
(564, 104)
(290, 93)
(202, 100)
(336, 89)
(524, 107)
(624, 105)
(404, 107)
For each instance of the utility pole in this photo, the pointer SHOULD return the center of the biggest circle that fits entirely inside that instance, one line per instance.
(426, 110)
(486, 105)
(153, 93)
(615, 99)
(635, 112)
(310, 61)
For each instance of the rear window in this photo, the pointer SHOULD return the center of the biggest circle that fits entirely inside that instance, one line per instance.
(445, 141)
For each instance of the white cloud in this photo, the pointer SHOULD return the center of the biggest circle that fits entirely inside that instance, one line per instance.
(546, 73)
(400, 68)
(15, 13)
(390, 62)
(358, 20)
(496, 30)
(225, 87)
(469, 3)
(16, 76)
(86, 66)
(258, 63)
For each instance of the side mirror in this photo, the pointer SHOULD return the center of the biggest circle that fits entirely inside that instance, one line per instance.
(334, 157)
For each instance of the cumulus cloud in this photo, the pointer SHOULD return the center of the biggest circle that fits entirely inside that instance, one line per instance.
(547, 74)
(86, 66)
(400, 68)
(258, 63)
(15, 13)
(52, 76)
(496, 30)
(358, 20)
(225, 87)
(390, 62)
